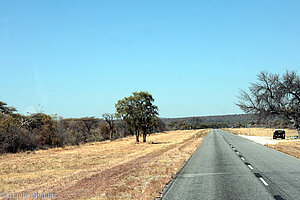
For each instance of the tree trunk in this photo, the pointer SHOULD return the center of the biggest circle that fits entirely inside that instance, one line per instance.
(137, 135)
(298, 129)
(111, 128)
(144, 136)
(110, 135)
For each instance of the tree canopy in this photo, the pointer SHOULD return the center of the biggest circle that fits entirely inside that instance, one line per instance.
(274, 95)
(138, 112)
(4, 109)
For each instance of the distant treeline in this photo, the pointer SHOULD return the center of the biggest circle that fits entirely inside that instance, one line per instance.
(230, 120)
(183, 125)
(227, 121)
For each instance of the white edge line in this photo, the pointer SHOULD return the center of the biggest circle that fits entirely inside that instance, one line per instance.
(250, 166)
(264, 182)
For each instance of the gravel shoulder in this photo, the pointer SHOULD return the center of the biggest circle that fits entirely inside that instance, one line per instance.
(261, 140)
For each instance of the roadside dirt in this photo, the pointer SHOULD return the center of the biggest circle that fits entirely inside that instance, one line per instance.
(261, 140)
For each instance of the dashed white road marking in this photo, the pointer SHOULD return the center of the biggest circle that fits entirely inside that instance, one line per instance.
(233, 148)
(250, 166)
(242, 158)
(264, 182)
(238, 153)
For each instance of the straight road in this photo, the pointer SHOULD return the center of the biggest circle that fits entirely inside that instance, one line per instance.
(227, 166)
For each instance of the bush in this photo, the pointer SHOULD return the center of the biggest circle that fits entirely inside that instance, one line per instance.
(21, 140)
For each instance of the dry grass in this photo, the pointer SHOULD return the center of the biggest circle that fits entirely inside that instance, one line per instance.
(265, 132)
(120, 169)
(291, 148)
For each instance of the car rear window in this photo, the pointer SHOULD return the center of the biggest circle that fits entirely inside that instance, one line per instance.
(279, 131)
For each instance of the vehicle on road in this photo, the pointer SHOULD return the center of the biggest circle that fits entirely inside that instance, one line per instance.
(279, 133)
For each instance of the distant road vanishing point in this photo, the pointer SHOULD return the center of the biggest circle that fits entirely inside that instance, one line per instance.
(227, 166)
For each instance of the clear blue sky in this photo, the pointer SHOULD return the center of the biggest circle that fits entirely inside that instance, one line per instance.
(78, 58)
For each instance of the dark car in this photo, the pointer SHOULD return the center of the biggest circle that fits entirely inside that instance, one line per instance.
(279, 133)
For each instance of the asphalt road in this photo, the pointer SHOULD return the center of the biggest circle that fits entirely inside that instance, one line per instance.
(227, 166)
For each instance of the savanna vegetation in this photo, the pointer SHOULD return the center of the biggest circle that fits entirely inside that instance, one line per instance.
(136, 115)
(41, 131)
(77, 166)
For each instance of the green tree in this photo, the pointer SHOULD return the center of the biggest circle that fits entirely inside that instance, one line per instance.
(4, 109)
(138, 112)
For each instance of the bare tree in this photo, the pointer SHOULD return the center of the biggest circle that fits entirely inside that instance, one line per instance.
(109, 118)
(274, 95)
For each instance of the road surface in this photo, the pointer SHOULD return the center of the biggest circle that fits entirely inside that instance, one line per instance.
(227, 166)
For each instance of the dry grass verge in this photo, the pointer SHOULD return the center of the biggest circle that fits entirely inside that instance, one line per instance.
(264, 132)
(291, 148)
(120, 169)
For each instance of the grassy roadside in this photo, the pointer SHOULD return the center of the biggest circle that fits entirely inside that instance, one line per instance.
(288, 146)
(291, 148)
(264, 132)
(120, 169)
